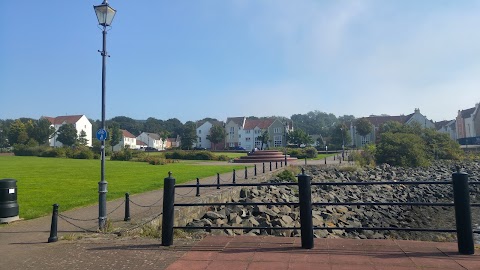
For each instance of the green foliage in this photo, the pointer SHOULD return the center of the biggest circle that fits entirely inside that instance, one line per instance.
(53, 152)
(41, 131)
(363, 126)
(24, 150)
(195, 155)
(124, 155)
(67, 134)
(217, 134)
(299, 137)
(402, 149)
(17, 133)
(264, 138)
(311, 152)
(286, 175)
(340, 136)
(188, 135)
(115, 135)
(365, 157)
(307, 152)
(82, 152)
(82, 139)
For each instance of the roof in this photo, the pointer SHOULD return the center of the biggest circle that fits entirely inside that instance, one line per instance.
(213, 122)
(154, 136)
(261, 123)
(127, 134)
(467, 113)
(69, 119)
(140, 143)
(237, 120)
(441, 124)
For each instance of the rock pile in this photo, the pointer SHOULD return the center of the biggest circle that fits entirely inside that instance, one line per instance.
(231, 218)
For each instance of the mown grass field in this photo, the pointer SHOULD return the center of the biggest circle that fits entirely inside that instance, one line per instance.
(73, 183)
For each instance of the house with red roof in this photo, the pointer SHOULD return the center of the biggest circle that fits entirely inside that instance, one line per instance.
(80, 122)
(128, 140)
(203, 130)
(378, 121)
(244, 132)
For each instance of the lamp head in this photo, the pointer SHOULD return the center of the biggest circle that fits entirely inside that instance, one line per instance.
(105, 13)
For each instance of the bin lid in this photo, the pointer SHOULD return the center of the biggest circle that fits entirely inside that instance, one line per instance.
(8, 183)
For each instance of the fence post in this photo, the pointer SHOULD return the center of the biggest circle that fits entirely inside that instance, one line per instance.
(281, 164)
(168, 210)
(198, 188)
(127, 207)
(263, 167)
(53, 227)
(255, 168)
(246, 172)
(305, 202)
(334, 157)
(234, 176)
(270, 166)
(218, 181)
(463, 216)
(325, 160)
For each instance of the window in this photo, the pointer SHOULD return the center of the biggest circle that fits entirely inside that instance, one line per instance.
(247, 131)
(239, 144)
(365, 140)
(247, 139)
(199, 139)
(199, 131)
(276, 130)
(258, 131)
(232, 130)
(277, 140)
(239, 136)
(231, 136)
(231, 144)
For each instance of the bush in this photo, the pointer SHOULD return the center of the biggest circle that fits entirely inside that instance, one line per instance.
(365, 157)
(53, 152)
(24, 150)
(194, 155)
(300, 153)
(82, 152)
(311, 152)
(124, 155)
(402, 149)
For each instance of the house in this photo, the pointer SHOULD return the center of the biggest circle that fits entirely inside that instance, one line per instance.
(468, 125)
(80, 122)
(244, 132)
(449, 127)
(151, 140)
(378, 121)
(203, 130)
(128, 140)
(172, 142)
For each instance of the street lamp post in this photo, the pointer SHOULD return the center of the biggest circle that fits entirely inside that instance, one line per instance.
(105, 15)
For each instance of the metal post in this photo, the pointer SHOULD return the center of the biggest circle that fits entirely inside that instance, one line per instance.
(305, 161)
(270, 166)
(255, 169)
(233, 176)
(127, 207)
(276, 164)
(334, 157)
(246, 172)
(305, 202)
(281, 164)
(168, 210)
(218, 181)
(263, 167)
(325, 160)
(102, 185)
(198, 188)
(463, 215)
(53, 226)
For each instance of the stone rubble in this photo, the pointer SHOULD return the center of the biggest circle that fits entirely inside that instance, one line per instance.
(351, 216)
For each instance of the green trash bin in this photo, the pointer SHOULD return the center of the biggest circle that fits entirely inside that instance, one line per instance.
(8, 200)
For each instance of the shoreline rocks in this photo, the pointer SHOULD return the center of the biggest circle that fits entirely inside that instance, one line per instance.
(394, 216)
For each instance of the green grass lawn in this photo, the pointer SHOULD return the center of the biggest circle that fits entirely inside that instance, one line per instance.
(73, 183)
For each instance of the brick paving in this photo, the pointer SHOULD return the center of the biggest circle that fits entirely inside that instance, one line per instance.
(267, 252)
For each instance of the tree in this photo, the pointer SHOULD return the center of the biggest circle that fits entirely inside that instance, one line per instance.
(299, 137)
(82, 139)
(340, 136)
(188, 135)
(401, 149)
(264, 138)
(363, 127)
(67, 134)
(42, 131)
(217, 135)
(17, 133)
(115, 135)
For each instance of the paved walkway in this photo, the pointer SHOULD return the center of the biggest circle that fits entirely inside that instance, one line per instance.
(267, 252)
(23, 244)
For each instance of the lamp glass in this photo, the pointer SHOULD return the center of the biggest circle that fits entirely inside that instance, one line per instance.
(105, 14)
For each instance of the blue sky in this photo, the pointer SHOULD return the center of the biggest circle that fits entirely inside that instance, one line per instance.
(191, 59)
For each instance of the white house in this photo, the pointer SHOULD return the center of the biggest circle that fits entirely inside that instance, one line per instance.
(203, 130)
(152, 140)
(80, 122)
(128, 140)
(449, 127)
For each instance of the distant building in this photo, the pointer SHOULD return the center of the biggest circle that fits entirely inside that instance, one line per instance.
(151, 140)
(203, 130)
(80, 122)
(378, 121)
(468, 125)
(128, 140)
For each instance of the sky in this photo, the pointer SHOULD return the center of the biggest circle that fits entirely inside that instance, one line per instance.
(191, 59)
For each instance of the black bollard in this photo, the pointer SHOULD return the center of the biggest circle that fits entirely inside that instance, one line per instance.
(334, 157)
(281, 164)
(255, 169)
(168, 210)
(305, 202)
(276, 164)
(263, 167)
(270, 166)
(246, 172)
(53, 227)
(463, 215)
(218, 181)
(233, 176)
(325, 160)
(198, 188)
(127, 207)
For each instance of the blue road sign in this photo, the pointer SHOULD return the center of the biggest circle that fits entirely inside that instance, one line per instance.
(102, 134)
